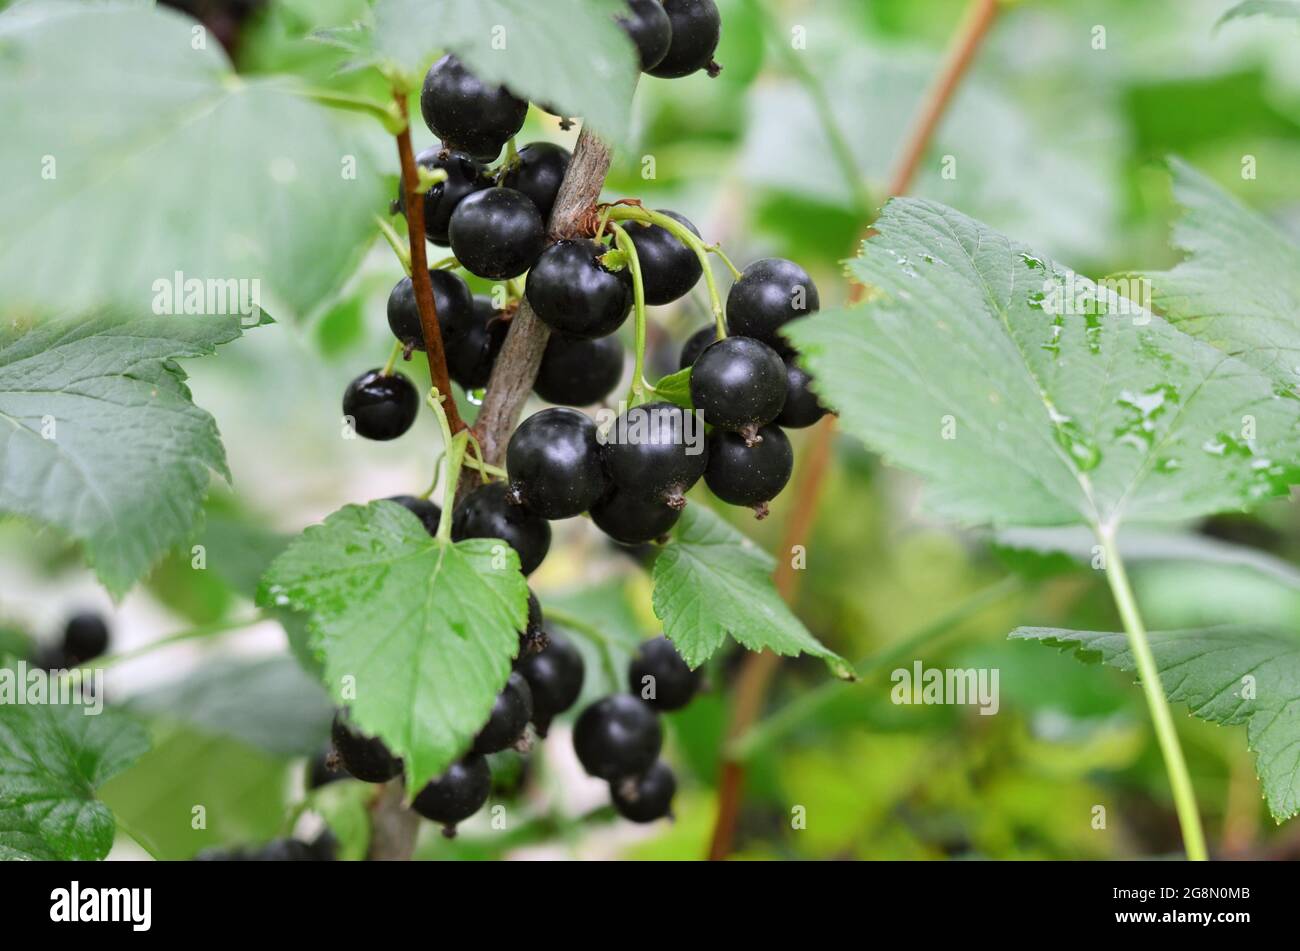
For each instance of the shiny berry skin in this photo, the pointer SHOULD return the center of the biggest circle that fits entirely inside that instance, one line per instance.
(555, 675)
(695, 345)
(467, 114)
(579, 372)
(487, 513)
(645, 798)
(538, 174)
(617, 737)
(85, 637)
(697, 27)
(510, 714)
(364, 757)
(455, 795)
(669, 269)
(651, 30)
(452, 301)
(739, 383)
(802, 407)
(381, 407)
(427, 512)
(768, 295)
(471, 356)
(464, 177)
(659, 676)
(632, 519)
(573, 293)
(749, 475)
(554, 463)
(497, 233)
(655, 451)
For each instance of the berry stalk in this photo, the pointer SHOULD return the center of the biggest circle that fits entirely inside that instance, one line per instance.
(639, 391)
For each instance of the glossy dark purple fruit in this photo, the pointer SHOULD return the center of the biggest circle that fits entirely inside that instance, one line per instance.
(573, 293)
(579, 372)
(538, 172)
(497, 233)
(658, 675)
(802, 407)
(739, 384)
(85, 637)
(740, 474)
(452, 301)
(555, 675)
(467, 114)
(455, 795)
(647, 23)
(617, 737)
(381, 407)
(633, 519)
(486, 513)
(464, 177)
(647, 797)
(427, 512)
(554, 463)
(669, 269)
(695, 345)
(697, 28)
(510, 714)
(655, 451)
(364, 757)
(471, 356)
(768, 295)
(533, 638)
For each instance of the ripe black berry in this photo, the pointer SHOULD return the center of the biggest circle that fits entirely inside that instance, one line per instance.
(695, 345)
(554, 463)
(617, 737)
(572, 292)
(655, 451)
(487, 513)
(739, 383)
(451, 300)
(769, 294)
(381, 407)
(464, 177)
(467, 114)
(741, 474)
(427, 512)
(632, 519)
(555, 675)
(538, 172)
(85, 637)
(365, 757)
(669, 269)
(659, 676)
(455, 795)
(697, 27)
(510, 714)
(471, 356)
(533, 638)
(497, 233)
(802, 407)
(578, 372)
(647, 23)
(645, 798)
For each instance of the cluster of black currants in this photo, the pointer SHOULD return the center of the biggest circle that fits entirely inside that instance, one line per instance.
(85, 637)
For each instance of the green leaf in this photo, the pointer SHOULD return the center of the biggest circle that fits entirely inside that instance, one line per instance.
(52, 758)
(133, 157)
(99, 437)
(345, 807)
(1250, 8)
(966, 368)
(417, 634)
(676, 388)
(711, 581)
(1230, 675)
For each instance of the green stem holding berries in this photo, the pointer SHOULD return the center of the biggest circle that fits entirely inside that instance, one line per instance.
(639, 391)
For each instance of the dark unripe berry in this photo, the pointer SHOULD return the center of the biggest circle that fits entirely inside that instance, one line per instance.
(574, 293)
(696, 345)
(767, 296)
(555, 675)
(579, 372)
(381, 407)
(669, 269)
(739, 383)
(645, 798)
(554, 463)
(365, 757)
(510, 714)
(697, 28)
(802, 407)
(455, 795)
(427, 512)
(467, 114)
(452, 301)
(741, 474)
(655, 451)
(486, 512)
(538, 173)
(659, 676)
(464, 177)
(647, 23)
(471, 356)
(85, 637)
(633, 519)
(617, 737)
(497, 233)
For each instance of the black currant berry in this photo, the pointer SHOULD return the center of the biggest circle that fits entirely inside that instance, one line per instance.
(655, 451)
(659, 676)
(452, 301)
(572, 292)
(284, 850)
(455, 795)
(538, 172)
(739, 384)
(381, 407)
(647, 23)
(632, 519)
(365, 757)
(617, 737)
(741, 474)
(645, 798)
(802, 407)
(464, 177)
(579, 372)
(467, 114)
(533, 638)
(769, 294)
(697, 27)
(322, 772)
(510, 714)
(471, 356)
(695, 345)
(554, 463)
(669, 269)
(497, 233)
(487, 512)
(555, 675)
(85, 637)
(427, 512)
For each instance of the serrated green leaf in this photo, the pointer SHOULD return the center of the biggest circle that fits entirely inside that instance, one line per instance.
(99, 438)
(966, 368)
(416, 634)
(1250, 8)
(676, 388)
(52, 759)
(711, 581)
(1231, 675)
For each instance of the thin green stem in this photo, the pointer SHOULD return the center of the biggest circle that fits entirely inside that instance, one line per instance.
(387, 114)
(639, 392)
(515, 289)
(446, 264)
(472, 462)
(396, 243)
(717, 249)
(392, 357)
(1189, 818)
(592, 633)
(193, 633)
(454, 454)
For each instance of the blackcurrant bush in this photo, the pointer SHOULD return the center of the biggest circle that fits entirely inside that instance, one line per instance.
(468, 114)
(617, 737)
(538, 171)
(802, 407)
(647, 23)
(695, 345)
(633, 519)
(769, 294)
(659, 676)
(669, 269)
(427, 512)
(554, 463)
(85, 637)
(697, 27)
(739, 384)
(471, 356)
(381, 407)
(655, 451)
(574, 293)
(741, 474)
(464, 177)
(452, 301)
(455, 795)
(486, 512)
(645, 798)
(510, 714)
(555, 675)
(365, 757)
(497, 233)
(579, 372)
